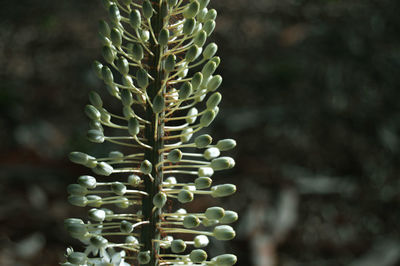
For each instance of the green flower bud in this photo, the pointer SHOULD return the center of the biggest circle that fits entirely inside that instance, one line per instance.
(203, 3)
(95, 125)
(128, 112)
(197, 79)
(163, 37)
(187, 132)
(222, 190)
(208, 69)
(112, 89)
(134, 180)
(192, 53)
(123, 203)
(191, 221)
(79, 201)
(207, 118)
(185, 196)
(215, 213)
(210, 50)
(209, 27)
(193, 115)
(95, 136)
(146, 167)
(118, 188)
(158, 104)
(211, 15)
(166, 242)
(207, 222)
(103, 168)
(216, 60)
(77, 226)
(147, 9)
(142, 78)
(205, 172)
(226, 144)
(116, 37)
(202, 14)
(191, 10)
(178, 246)
(79, 157)
(203, 141)
(185, 90)
(94, 201)
(200, 241)
(95, 99)
(135, 19)
(133, 126)
(126, 227)
(214, 100)
(174, 156)
(107, 75)
(97, 66)
(77, 258)
(170, 180)
(225, 260)
(159, 200)
(122, 65)
(116, 155)
(229, 217)
(198, 256)
(76, 190)
(188, 26)
(131, 240)
(222, 163)
(214, 83)
(114, 13)
(104, 29)
(224, 232)
(105, 116)
(172, 3)
(126, 98)
(136, 51)
(87, 181)
(200, 38)
(144, 35)
(211, 153)
(144, 257)
(97, 215)
(92, 112)
(99, 241)
(202, 182)
(170, 63)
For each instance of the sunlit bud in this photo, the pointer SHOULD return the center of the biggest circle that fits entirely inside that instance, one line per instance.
(144, 35)
(116, 37)
(216, 60)
(142, 78)
(131, 240)
(78, 157)
(158, 104)
(202, 182)
(133, 126)
(135, 19)
(191, 10)
(198, 256)
(136, 51)
(92, 112)
(207, 118)
(209, 27)
(97, 66)
(214, 100)
(126, 227)
(94, 201)
(205, 172)
(187, 134)
(203, 141)
(107, 75)
(208, 69)
(224, 232)
(201, 241)
(214, 83)
(211, 153)
(192, 53)
(123, 203)
(188, 26)
(144, 257)
(98, 241)
(114, 13)
(159, 200)
(193, 115)
(207, 222)
(118, 188)
(191, 221)
(122, 65)
(222, 163)
(146, 167)
(163, 37)
(185, 90)
(211, 15)
(210, 50)
(170, 180)
(183, 72)
(166, 242)
(103, 168)
(95, 136)
(203, 3)
(223, 190)
(134, 180)
(104, 29)
(147, 9)
(197, 79)
(226, 144)
(224, 260)
(174, 156)
(215, 213)
(229, 217)
(80, 201)
(178, 246)
(87, 181)
(185, 196)
(97, 215)
(77, 258)
(200, 38)
(201, 15)
(170, 63)
(76, 190)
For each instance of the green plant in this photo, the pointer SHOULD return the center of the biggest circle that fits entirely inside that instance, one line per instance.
(154, 46)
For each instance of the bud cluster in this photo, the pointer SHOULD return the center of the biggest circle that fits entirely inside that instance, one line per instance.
(158, 65)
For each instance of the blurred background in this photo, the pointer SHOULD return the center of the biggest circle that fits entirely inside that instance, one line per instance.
(311, 91)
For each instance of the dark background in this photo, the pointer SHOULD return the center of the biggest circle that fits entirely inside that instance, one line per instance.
(311, 91)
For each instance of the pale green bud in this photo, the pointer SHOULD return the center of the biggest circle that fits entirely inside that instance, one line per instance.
(126, 227)
(144, 35)
(210, 50)
(185, 90)
(95, 136)
(170, 63)
(191, 10)
(92, 112)
(203, 141)
(131, 240)
(135, 19)
(222, 163)
(201, 241)
(215, 213)
(216, 60)
(185, 196)
(203, 182)
(123, 203)
(133, 126)
(198, 256)
(187, 132)
(192, 53)
(166, 242)
(122, 65)
(211, 153)
(134, 180)
(116, 37)
(208, 69)
(112, 89)
(87, 181)
(229, 217)
(95, 99)
(203, 3)
(211, 15)
(163, 37)
(178, 246)
(225, 260)
(105, 116)
(202, 14)
(188, 26)
(205, 172)
(193, 115)
(97, 215)
(126, 98)
(114, 13)
(99, 241)
(159, 200)
(214, 83)
(103, 168)
(95, 125)
(214, 100)
(97, 66)
(191, 221)
(79, 157)
(146, 167)
(170, 180)
(207, 118)
(200, 38)
(118, 188)
(76, 190)
(174, 156)
(107, 75)
(224, 232)
(147, 9)
(197, 79)
(209, 27)
(136, 51)
(77, 258)
(94, 201)
(207, 222)
(222, 190)
(158, 104)
(80, 201)
(142, 78)
(226, 144)
(104, 29)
